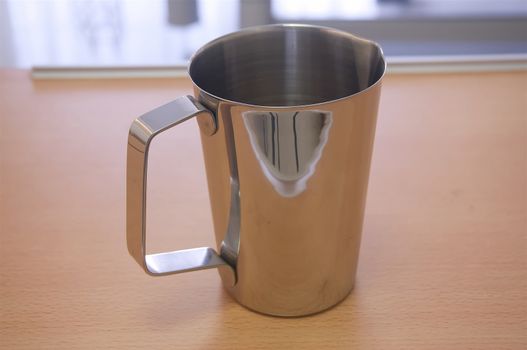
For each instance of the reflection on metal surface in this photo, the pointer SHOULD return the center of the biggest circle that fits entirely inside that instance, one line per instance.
(230, 245)
(288, 146)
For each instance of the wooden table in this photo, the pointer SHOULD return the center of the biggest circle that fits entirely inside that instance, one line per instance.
(443, 259)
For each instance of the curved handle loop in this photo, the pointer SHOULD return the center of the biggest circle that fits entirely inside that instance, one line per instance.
(142, 131)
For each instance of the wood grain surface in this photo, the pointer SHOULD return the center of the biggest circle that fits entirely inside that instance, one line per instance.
(443, 257)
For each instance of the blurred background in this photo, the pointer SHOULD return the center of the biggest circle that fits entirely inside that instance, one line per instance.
(165, 33)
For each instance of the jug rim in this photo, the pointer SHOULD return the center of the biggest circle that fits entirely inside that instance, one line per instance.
(270, 27)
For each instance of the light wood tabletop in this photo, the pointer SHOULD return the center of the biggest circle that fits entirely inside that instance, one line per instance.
(444, 249)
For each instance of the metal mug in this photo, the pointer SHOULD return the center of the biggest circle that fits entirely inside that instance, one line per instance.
(287, 115)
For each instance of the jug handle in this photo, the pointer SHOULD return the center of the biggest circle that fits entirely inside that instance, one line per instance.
(142, 131)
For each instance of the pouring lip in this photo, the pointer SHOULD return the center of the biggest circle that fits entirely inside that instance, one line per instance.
(277, 27)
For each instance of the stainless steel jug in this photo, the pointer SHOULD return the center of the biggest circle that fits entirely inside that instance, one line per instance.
(287, 116)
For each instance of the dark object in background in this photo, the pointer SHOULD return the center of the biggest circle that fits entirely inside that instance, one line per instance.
(182, 12)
